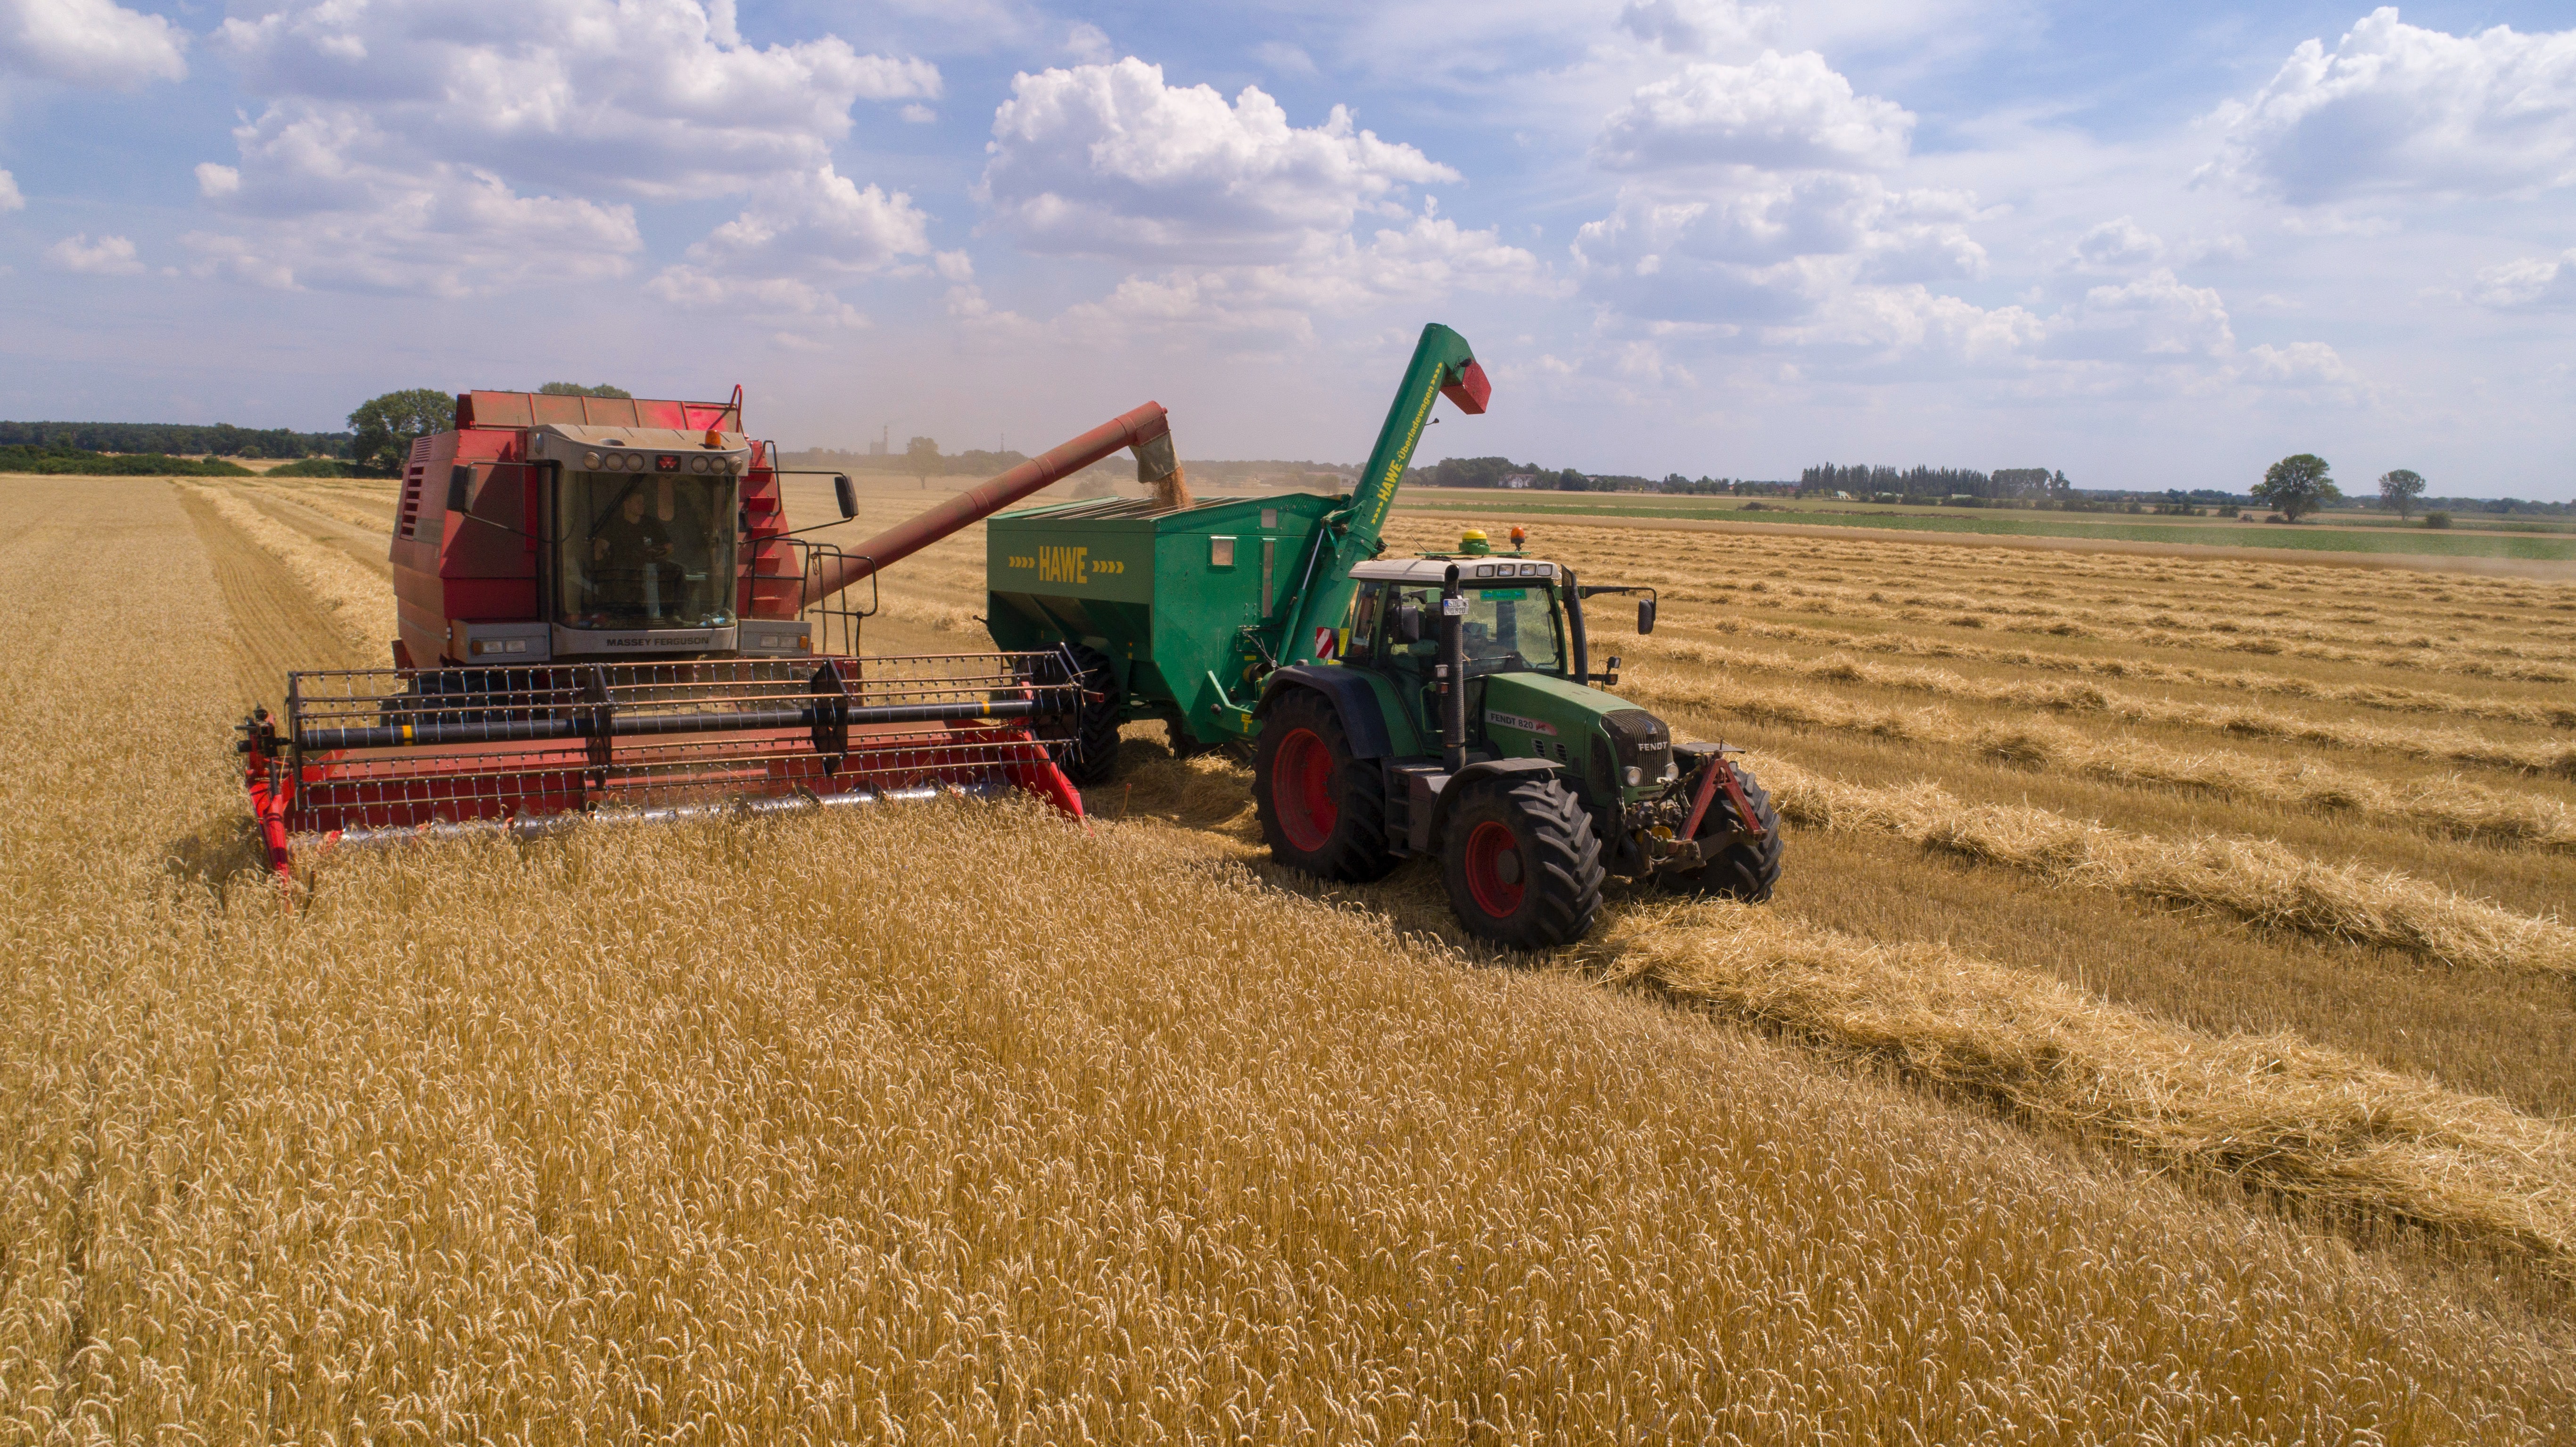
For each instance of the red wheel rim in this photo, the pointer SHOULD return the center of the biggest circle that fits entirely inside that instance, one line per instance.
(1301, 789)
(1494, 869)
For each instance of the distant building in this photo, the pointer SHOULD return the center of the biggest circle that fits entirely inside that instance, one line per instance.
(878, 447)
(1521, 479)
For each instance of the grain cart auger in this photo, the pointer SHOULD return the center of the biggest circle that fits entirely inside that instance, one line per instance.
(1441, 705)
(604, 615)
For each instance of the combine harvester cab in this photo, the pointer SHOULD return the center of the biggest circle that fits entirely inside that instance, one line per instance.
(1443, 705)
(604, 616)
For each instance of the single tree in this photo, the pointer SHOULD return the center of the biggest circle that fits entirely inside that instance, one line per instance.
(2399, 489)
(575, 389)
(2296, 484)
(923, 454)
(385, 427)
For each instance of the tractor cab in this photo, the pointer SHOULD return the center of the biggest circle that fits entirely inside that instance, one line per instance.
(1515, 620)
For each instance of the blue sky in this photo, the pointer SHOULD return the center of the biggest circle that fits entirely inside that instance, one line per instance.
(2151, 246)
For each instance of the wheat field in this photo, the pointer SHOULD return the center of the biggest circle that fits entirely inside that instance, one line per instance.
(2105, 1070)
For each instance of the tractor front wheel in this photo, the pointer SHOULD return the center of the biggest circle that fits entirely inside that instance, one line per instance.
(1739, 865)
(1322, 810)
(1521, 862)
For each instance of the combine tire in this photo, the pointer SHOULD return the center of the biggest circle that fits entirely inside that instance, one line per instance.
(1521, 863)
(1092, 756)
(1322, 811)
(1746, 869)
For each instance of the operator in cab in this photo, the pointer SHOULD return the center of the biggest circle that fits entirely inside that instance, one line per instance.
(632, 548)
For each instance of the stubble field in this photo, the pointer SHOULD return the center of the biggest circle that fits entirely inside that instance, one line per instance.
(2163, 1030)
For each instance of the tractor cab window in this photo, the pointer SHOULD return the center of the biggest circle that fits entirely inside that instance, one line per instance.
(1507, 630)
(1361, 626)
(641, 551)
(1513, 630)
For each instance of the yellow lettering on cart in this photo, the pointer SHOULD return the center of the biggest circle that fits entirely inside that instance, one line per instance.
(1063, 565)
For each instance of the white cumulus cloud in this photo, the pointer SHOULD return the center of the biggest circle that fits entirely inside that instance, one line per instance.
(107, 256)
(1779, 112)
(468, 146)
(1428, 258)
(2529, 283)
(442, 229)
(1108, 160)
(2396, 110)
(1769, 250)
(799, 236)
(1699, 27)
(656, 98)
(89, 43)
(2152, 317)
(2118, 245)
(11, 198)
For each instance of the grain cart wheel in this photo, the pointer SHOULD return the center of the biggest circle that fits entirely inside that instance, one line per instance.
(1746, 868)
(1322, 811)
(1093, 754)
(1186, 746)
(1520, 861)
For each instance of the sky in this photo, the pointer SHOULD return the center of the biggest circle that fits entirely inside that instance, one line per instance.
(2151, 246)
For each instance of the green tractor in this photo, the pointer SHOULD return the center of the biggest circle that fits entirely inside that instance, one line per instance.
(1440, 705)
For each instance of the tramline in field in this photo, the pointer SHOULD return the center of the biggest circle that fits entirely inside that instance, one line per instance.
(604, 615)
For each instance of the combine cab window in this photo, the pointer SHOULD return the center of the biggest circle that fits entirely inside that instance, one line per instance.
(640, 551)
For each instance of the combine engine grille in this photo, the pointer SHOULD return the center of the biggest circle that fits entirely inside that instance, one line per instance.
(365, 755)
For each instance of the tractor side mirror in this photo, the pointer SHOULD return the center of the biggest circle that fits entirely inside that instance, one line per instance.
(1408, 623)
(459, 479)
(1646, 616)
(846, 495)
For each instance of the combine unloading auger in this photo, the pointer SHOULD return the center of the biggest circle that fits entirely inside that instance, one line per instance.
(616, 623)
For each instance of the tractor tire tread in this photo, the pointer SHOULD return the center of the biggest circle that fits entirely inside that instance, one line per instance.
(1563, 867)
(1356, 852)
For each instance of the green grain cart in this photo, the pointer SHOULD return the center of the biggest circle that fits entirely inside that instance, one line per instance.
(1440, 705)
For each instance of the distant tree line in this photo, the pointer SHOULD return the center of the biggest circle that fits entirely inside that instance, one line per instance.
(1497, 472)
(222, 439)
(911, 462)
(1935, 482)
(44, 461)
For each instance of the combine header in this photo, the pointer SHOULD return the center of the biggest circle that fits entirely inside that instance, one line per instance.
(604, 616)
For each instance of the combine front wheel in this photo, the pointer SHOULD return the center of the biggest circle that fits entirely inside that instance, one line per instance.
(1522, 866)
(1322, 811)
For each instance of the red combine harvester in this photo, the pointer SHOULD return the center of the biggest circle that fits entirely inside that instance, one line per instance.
(604, 615)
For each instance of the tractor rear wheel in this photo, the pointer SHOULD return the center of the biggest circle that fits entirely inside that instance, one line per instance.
(1521, 862)
(1322, 810)
(1745, 868)
(1092, 755)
